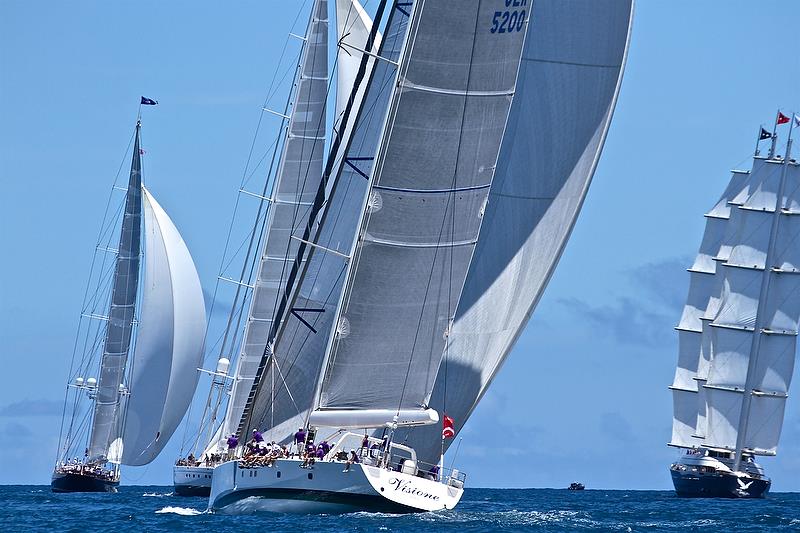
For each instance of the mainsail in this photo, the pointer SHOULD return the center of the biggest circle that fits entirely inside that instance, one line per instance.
(422, 214)
(105, 420)
(281, 403)
(754, 331)
(568, 82)
(295, 187)
(169, 340)
(703, 286)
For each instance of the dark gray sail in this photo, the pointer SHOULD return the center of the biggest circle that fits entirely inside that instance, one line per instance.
(105, 421)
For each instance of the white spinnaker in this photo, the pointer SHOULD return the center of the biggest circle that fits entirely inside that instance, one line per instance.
(566, 91)
(737, 320)
(169, 342)
(702, 285)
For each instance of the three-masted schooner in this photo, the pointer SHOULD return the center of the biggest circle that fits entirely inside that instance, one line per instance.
(141, 335)
(738, 331)
(410, 259)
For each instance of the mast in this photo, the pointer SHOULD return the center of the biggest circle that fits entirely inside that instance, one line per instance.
(755, 345)
(105, 420)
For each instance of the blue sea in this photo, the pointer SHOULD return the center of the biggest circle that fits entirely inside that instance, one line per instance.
(145, 509)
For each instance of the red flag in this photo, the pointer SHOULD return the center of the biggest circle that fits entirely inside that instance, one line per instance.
(782, 119)
(448, 429)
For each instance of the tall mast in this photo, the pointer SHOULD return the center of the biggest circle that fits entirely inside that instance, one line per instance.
(744, 416)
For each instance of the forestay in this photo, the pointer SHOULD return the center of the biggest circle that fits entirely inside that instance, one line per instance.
(296, 183)
(702, 284)
(105, 422)
(754, 332)
(301, 341)
(423, 211)
(169, 340)
(568, 83)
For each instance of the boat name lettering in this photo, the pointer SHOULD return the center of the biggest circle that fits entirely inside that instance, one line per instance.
(408, 488)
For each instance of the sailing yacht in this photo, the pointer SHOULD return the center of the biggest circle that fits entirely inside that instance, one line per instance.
(391, 266)
(737, 333)
(144, 347)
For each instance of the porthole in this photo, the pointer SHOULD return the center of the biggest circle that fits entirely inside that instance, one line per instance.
(279, 473)
(310, 475)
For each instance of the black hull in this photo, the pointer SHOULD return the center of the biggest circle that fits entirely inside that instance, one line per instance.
(718, 485)
(74, 482)
(191, 490)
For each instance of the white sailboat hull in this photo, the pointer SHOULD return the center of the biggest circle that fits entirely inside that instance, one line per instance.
(192, 480)
(325, 488)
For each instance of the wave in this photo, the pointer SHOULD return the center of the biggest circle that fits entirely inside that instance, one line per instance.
(156, 494)
(183, 511)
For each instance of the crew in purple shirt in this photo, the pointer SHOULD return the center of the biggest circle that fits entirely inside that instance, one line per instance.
(257, 437)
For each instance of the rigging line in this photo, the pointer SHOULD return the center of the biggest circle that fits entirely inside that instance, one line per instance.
(89, 281)
(444, 220)
(318, 204)
(245, 177)
(295, 93)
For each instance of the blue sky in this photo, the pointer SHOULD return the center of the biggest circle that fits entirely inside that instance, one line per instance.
(584, 394)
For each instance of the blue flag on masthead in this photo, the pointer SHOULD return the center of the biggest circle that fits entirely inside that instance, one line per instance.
(147, 101)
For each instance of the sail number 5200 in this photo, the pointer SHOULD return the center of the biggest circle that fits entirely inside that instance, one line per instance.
(509, 21)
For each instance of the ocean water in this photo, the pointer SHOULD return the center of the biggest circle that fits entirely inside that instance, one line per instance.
(145, 509)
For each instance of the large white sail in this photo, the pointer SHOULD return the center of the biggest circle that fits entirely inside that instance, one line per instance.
(424, 209)
(308, 319)
(169, 340)
(105, 419)
(568, 82)
(754, 332)
(703, 284)
(296, 184)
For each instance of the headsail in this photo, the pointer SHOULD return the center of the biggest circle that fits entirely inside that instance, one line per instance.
(569, 78)
(169, 340)
(423, 212)
(105, 420)
(295, 187)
